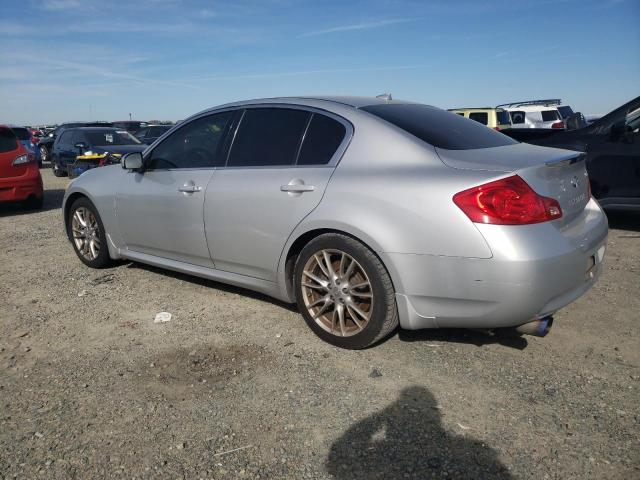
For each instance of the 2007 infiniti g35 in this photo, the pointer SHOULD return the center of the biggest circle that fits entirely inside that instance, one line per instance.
(368, 213)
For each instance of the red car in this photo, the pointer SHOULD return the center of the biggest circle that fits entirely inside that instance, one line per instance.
(20, 179)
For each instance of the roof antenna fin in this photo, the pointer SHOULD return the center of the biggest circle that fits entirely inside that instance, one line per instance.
(385, 96)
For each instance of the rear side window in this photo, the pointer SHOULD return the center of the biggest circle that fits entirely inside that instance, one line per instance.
(195, 145)
(517, 116)
(439, 128)
(550, 115)
(21, 133)
(267, 137)
(480, 117)
(321, 141)
(8, 141)
(503, 117)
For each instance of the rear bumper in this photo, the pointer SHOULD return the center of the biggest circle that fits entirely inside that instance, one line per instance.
(535, 270)
(16, 189)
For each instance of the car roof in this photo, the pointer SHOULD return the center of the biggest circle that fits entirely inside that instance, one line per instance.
(95, 129)
(350, 101)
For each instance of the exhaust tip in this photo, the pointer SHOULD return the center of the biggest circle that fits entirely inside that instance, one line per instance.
(536, 328)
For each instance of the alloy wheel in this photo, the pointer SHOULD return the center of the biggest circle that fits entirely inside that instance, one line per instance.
(86, 233)
(44, 154)
(337, 292)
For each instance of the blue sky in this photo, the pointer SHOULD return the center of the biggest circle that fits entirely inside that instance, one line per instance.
(166, 59)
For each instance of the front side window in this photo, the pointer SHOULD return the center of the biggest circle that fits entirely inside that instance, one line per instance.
(439, 128)
(480, 117)
(321, 141)
(195, 145)
(268, 137)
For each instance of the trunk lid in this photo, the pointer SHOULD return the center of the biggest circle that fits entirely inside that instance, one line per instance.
(551, 172)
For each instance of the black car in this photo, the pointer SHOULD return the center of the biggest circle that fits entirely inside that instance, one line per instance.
(87, 142)
(150, 134)
(131, 126)
(612, 145)
(46, 144)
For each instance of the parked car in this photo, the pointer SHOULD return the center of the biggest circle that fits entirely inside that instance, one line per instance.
(131, 126)
(20, 179)
(151, 133)
(495, 118)
(87, 142)
(612, 147)
(368, 213)
(535, 113)
(29, 142)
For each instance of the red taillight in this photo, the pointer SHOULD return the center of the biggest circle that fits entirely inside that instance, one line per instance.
(496, 128)
(509, 201)
(557, 125)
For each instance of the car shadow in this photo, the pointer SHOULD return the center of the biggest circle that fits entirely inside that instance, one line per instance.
(213, 284)
(503, 336)
(407, 440)
(52, 200)
(624, 221)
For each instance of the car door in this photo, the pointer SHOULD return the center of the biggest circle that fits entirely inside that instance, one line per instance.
(159, 211)
(277, 169)
(63, 150)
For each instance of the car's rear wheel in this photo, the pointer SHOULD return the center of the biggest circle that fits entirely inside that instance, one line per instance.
(57, 169)
(344, 292)
(44, 153)
(87, 234)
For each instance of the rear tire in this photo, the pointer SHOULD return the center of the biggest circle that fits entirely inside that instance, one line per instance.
(87, 234)
(344, 292)
(57, 169)
(44, 154)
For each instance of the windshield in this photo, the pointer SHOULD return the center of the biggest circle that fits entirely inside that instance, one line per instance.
(439, 128)
(107, 138)
(21, 133)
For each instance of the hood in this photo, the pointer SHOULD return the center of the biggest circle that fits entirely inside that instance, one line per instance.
(121, 149)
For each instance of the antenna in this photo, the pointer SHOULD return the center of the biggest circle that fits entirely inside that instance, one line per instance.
(385, 96)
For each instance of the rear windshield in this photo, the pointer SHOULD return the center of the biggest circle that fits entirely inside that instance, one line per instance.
(565, 111)
(111, 137)
(503, 117)
(439, 128)
(550, 115)
(21, 133)
(7, 140)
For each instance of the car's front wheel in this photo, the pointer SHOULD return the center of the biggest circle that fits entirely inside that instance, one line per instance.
(87, 234)
(344, 292)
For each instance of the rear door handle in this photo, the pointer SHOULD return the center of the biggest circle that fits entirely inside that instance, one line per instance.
(187, 188)
(297, 188)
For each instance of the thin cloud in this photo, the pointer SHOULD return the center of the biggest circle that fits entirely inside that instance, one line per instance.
(358, 26)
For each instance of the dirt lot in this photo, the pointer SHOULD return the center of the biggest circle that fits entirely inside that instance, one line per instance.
(236, 386)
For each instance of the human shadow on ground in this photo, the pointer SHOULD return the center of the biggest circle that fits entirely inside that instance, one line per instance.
(407, 440)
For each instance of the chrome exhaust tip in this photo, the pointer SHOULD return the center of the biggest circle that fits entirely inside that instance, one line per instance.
(537, 328)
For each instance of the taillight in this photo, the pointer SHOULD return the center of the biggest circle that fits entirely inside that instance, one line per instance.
(557, 125)
(23, 159)
(496, 128)
(509, 201)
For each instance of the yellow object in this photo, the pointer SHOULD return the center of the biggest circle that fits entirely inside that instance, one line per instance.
(487, 116)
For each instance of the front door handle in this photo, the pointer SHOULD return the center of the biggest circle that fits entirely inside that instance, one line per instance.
(297, 188)
(189, 188)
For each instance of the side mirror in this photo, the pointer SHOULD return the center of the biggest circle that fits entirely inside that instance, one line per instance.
(80, 146)
(132, 161)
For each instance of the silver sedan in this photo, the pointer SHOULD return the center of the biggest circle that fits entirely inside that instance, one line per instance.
(367, 213)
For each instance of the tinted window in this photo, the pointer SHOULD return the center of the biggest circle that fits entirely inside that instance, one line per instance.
(550, 115)
(21, 133)
(438, 127)
(481, 117)
(8, 141)
(141, 133)
(105, 138)
(157, 131)
(65, 138)
(195, 145)
(268, 136)
(517, 116)
(321, 141)
(503, 117)
(565, 111)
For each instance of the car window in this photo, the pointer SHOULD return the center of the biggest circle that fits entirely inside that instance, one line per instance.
(195, 145)
(565, 111)
(141, 133)
(65, 138)
(517, 116)
(268, 136)
(503, 117)
(105, 138)
(439, 128)
(8, 141)
(550, 115)
(21, 133)
(157, 131)
(323, 137)
(76, 137)
(481, 117)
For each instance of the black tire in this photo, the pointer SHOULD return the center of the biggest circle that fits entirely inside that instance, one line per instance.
(33, 203)
(58, 171)
(44, 154)
(103, 259)
(384, 317)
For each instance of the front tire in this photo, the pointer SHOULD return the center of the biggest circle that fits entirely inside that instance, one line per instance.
(87, 234)
(344, 292)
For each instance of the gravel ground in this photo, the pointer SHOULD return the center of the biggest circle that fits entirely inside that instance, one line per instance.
(236, 386)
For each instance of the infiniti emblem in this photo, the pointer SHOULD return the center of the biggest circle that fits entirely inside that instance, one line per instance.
(574, 182)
